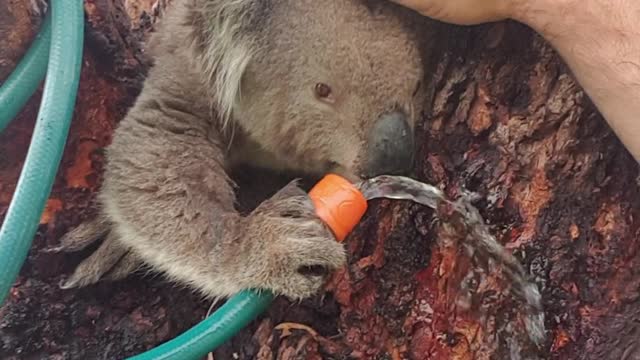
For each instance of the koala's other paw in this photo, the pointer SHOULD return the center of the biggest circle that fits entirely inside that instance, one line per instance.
(82, 236)
(293, 251)
(111, 261)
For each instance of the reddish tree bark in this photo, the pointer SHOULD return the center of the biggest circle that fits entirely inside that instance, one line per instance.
(506, 120)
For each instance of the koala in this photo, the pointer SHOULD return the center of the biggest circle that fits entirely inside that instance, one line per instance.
(301, 85)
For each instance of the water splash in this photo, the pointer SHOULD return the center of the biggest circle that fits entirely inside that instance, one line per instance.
(477, 239)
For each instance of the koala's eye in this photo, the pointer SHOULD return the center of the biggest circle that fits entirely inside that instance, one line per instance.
(323, 91)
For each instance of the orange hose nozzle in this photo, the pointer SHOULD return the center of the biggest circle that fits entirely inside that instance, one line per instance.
(339, 204)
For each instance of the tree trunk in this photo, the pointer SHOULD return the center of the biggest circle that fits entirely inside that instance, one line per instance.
(506, 121)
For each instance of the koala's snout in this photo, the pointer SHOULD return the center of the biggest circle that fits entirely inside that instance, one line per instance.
(390, 146)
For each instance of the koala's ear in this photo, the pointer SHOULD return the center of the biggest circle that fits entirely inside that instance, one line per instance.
(224, 35)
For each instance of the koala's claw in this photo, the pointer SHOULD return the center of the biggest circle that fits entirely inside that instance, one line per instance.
(38, 7)
(159, 7)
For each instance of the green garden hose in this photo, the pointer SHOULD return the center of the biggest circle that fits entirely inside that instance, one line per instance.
(215, 330)
(27, 76)
(48, 140)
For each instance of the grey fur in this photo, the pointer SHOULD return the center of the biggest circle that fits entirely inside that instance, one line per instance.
(167, 199)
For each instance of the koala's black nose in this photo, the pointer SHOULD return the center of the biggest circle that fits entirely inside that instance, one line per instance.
(390, 146)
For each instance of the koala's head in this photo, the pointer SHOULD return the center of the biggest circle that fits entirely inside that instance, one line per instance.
(331, 85)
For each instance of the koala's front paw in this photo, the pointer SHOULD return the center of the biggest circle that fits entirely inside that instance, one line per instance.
(293, 251)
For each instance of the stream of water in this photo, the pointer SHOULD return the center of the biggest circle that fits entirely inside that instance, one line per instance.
(476, 238)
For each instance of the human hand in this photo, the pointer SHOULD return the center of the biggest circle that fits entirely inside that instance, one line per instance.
(462, 12)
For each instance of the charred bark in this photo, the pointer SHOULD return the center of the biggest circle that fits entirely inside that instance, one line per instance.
(506, 120)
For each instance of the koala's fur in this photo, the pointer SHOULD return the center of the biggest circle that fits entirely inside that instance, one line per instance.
(233, 83)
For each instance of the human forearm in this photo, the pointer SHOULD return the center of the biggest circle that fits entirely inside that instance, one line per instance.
(600, 41)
